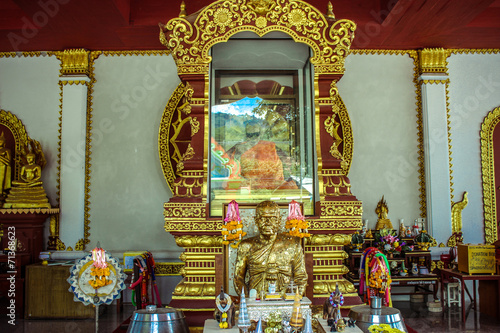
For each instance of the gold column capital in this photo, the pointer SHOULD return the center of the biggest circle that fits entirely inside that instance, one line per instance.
(433, 60)
(74, 61)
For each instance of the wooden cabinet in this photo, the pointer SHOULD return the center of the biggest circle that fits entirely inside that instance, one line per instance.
(25, 227)
(47, 294)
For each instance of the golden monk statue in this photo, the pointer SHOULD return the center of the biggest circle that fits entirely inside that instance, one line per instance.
(382, 210)
(269, 258)
(5, 168)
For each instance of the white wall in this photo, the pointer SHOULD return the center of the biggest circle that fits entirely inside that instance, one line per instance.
(474, 91)
(29, 89)
(379, 95)
(128, 188)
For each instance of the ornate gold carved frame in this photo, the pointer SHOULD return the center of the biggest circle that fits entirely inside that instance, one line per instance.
(184, 140)
(488, 171)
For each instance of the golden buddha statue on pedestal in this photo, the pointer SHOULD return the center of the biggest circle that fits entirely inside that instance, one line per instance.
(382, 210)
(270, 258)
(27, 191)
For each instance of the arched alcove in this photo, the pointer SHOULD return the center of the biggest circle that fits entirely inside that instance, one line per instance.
(490, 154)
(184, 138)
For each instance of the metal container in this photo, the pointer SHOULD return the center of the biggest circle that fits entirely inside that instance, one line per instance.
(365, 316)
(163, 320)
(376, 302)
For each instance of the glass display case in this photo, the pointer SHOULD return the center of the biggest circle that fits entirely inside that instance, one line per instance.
(261, 140)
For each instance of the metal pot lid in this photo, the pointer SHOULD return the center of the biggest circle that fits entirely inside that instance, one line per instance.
(161, 314)
(385, 315)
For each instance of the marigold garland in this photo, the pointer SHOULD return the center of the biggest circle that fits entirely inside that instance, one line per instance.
(296, 223)
(232, 229)
(99, 269)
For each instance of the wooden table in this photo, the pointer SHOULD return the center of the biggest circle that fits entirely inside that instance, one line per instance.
(446, 274)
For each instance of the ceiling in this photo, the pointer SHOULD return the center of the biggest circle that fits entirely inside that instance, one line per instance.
(52, 25)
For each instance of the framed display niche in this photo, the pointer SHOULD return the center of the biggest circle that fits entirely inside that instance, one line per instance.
(186, 132)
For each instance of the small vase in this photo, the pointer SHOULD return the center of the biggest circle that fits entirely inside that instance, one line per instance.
(376, 302)
(390, 255)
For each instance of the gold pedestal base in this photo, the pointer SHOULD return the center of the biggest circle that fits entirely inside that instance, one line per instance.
(27, 197)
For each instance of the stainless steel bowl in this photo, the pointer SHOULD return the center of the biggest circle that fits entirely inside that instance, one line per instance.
(163, 320)
(365, 316)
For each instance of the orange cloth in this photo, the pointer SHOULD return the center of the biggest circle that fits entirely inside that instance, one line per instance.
(262, 167)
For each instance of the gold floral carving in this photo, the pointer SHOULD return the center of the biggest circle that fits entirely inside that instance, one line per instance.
(433, 60)
(335, 224)
(198, 241)
(136, 53)
(261, 7)
(54, 242)
(74, 62)
(330, 270)
(326, 287)
(334, 179)
(60, 245)
(21, 138)
(189, 226)
(188, 154)
(188, 181)
(435, 81)
(420, 133)
(74, 82)
(185, 288)
(329, 209)
(334, 239)
(80, 245)
(190, 43)
(185, 210)
(168, 268)
(195, 125)
(178, 104)
(344, 122)
(488, 173)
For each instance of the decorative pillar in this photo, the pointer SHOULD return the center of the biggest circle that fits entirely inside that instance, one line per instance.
(434, 83)
(74, 82)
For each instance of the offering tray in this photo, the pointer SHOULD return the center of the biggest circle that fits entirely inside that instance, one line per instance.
(262, 309)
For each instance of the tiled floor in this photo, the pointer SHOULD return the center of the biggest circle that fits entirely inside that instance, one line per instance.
(416, 316)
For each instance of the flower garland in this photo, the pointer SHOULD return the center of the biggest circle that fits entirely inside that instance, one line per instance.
(232, 228)
(223, 321)
(375, 275)
(296, 223)
(99, 270)
(334, 303)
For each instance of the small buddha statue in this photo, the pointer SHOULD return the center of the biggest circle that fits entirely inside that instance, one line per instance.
(27, 191)
(382, 210)
(30, 173)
